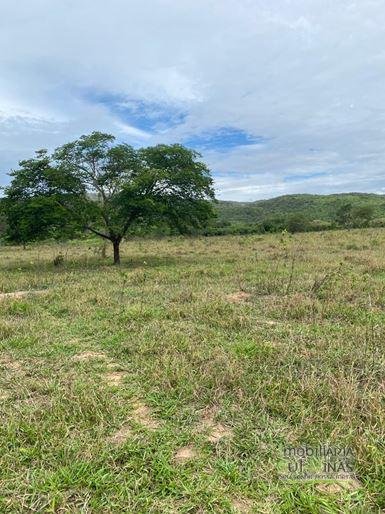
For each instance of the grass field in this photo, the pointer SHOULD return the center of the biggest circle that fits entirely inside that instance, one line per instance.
(174, 383)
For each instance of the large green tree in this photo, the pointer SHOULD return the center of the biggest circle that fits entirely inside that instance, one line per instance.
(107, 188)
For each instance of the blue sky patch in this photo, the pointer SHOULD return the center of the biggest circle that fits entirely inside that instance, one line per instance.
(223, 138)
(304, 176)
(146, 116)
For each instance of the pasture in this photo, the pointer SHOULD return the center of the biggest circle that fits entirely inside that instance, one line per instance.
(174, 382)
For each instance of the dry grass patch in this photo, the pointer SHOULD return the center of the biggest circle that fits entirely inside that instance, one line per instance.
(121, 435)
(218, 432)
(270, 322)
(35, 401)
(4, 395)
(239, 297)
(6, 361)
(16, 295)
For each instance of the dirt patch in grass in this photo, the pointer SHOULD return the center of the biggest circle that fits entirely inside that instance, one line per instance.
(239, 297)
(6, 361)
(121, 435)
(215, 430)
(185, 454)
(86, 356)
(114, 378)
(268, 322)
(143, 415)
(21, 294)
(350, 485)
(113, 365)
(242, 505)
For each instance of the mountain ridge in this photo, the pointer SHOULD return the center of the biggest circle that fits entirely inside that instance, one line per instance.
(325, 204)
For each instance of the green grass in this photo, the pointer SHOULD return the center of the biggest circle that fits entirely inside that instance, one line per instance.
(231, 347)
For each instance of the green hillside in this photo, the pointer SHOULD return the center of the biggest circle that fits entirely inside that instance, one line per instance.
(315, 211)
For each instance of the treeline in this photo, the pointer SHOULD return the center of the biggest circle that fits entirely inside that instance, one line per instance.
(299, 213)
(111, 190)
(242, 219)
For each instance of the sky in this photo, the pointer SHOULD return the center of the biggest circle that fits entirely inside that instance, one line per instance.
(279, 96)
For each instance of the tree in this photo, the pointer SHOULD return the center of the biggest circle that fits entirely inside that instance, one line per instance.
(362, 215)
(3, 224)
(30, 206)
(109, 188)
(344, 214)
(354, 216)
(297, 222)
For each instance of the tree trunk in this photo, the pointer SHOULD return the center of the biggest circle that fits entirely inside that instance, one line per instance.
(116, 245)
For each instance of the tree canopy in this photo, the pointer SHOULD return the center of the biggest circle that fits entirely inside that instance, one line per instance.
(95, 184)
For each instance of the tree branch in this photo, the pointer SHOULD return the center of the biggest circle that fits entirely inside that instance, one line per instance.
(97, 232)
(87, 227)
(127, 224)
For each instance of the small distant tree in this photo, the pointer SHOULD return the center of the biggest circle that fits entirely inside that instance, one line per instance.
(273, 224)
(344, 214)
(297, 222)
(362, 215)
(107, 188)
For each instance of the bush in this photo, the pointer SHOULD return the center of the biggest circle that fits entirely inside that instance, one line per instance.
(297, 223)
(319, 225)
(377, 223)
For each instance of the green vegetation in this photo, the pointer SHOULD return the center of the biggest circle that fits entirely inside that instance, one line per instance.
(108, 189)
(115, 191)
(176, 382)
(173, 382)
(300, 213)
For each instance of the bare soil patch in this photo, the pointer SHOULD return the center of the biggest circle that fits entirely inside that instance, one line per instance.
(218, 432)
(214, 429)
(115, 378)
(11, 364)
(242, 505)
(143, 415)
(239, 297)
(86, 356)
(350, 485)
(185, 454)
(268, 322)
(21, 294)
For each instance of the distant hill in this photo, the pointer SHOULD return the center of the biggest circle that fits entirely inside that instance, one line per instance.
(322, 207)
(312, 208)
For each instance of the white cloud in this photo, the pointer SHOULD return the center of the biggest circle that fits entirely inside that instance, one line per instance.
(307, 75)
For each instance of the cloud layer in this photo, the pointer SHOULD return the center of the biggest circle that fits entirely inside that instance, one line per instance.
(280, 97)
